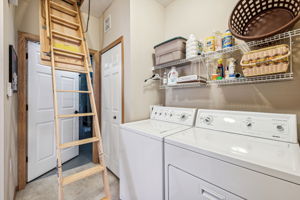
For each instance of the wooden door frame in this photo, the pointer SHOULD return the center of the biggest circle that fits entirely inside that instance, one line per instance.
(97, 81)
(23, 38)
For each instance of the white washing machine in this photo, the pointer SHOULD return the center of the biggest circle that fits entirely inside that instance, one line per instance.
(141, 160)
(234, 155)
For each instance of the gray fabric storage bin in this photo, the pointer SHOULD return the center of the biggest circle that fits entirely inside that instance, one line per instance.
(171, 50)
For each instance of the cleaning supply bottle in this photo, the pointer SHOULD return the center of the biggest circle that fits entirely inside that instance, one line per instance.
(192, 47)
(210, 44)
(172, 76)
(227, 72)
(231, 68)
(220, 69)
(227, 40)
(218, 40)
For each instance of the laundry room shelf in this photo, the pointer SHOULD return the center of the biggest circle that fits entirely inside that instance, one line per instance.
(256, 79)
(238, 81)
(184, 85)
(243, 46)
(202, 64)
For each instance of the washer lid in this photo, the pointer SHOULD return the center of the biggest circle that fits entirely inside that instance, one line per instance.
(275, 158)
(154, 128)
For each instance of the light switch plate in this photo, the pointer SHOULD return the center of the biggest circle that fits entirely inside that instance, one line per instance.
(9, 90)
(13, 2)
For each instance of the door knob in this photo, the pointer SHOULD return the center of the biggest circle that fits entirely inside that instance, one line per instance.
(76, 112)
(115, 117)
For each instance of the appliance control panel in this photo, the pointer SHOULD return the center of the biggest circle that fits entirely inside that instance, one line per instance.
(281, 127)
(184, 116)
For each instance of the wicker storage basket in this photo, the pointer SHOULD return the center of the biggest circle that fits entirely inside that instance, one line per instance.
(258, 19)
(271, 60)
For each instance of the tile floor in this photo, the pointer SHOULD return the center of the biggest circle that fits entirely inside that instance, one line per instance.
(91, 188)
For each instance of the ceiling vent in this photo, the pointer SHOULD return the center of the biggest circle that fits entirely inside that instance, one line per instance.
(107, 23)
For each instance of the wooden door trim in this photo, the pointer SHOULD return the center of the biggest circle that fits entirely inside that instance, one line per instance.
(23, 38)
(97, 81)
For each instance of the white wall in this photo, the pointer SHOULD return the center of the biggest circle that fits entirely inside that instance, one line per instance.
(27, 16)
(200, 17)
(146, 30)
(93, 35)
(1, 104)
(10, 109)
(120, 20)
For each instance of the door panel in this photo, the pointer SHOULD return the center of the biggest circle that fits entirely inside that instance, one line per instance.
(41, 135)
(111, 112)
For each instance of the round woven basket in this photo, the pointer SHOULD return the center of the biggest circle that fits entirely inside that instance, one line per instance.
(258, 19)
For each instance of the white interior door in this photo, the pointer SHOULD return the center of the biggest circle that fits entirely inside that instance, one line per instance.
(41, 135)
(111, 107)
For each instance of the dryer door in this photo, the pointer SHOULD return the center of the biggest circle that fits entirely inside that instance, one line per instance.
(186, 186)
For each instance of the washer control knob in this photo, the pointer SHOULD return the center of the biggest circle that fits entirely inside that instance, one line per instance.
(280, 128)
(249, 124)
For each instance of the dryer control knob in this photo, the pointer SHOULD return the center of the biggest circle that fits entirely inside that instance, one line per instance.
(183, 116)
(208, 120)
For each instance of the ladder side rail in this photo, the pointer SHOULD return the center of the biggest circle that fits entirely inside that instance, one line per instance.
(47, 17)
(56, 119)
(93, 105)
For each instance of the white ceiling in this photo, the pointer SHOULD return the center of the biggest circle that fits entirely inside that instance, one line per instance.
(165, 2)
(97, 6)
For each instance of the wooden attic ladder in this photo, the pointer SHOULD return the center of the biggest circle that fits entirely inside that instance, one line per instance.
(69, 52)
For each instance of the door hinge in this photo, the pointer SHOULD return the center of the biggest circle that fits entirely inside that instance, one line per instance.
(27, 159)
(26, 107)
(26, 56)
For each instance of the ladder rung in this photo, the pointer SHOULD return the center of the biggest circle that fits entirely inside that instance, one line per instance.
(76, 115)
(67, 36)
(74, 91)
(63, 21)
(69, 62)
(71, 69)
(83, 174)
(67, 52)
(67, 55)
(57, 5)
(71, 1)
(79, 142)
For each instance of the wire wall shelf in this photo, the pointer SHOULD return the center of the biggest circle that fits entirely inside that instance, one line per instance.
(238, 81)
(256, 79)
(185, 85)
(242, 48)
